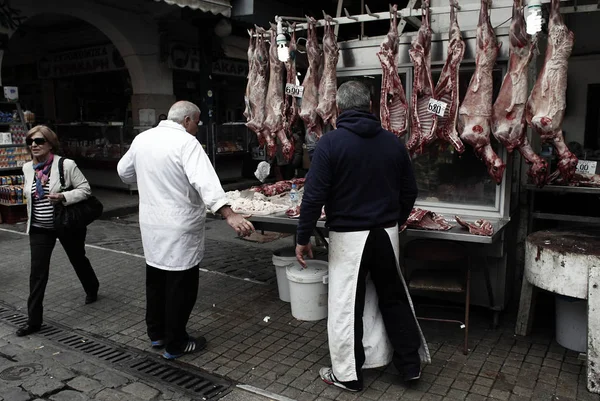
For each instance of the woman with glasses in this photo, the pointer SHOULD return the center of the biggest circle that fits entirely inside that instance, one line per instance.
(43, 189)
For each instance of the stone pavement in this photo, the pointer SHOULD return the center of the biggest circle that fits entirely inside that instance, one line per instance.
(283, 355)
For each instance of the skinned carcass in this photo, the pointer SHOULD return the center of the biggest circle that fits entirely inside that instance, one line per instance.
(274, 123)
(291, 105)
(546, 105)
(310, 97)
(475, 113)
(252, 67)
(508, 118)
(423, 123)
(257, 97)
(447, 88)
(327, 108)
(393, 103)
(478, 227)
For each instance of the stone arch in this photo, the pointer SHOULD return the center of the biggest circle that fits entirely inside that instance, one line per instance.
(134, 35)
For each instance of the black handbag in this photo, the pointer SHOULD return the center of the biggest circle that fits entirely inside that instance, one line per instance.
(77, 215)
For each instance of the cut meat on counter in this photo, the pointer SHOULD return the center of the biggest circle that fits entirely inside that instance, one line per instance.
(547, 102)
(278, 187)
(310, 97)
(327, 108)
(393, 103)
(258, 92)
(294, 213)
(427, 220)
(291, 105)
(423, 123)
(475, 113)
(274, 123)
(479, 227)
(508, 119)
(447, 88)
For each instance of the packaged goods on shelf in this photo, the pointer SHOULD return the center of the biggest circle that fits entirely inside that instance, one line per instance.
(12, 180)
(12, 195)
(18, 133)
(13, 156)
(5, 138)
(6, 117)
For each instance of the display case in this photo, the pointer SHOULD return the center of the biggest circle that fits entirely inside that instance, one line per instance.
(227, 146)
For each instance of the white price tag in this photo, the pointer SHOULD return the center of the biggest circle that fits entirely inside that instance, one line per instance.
(586, 167)
(294, 90)
(437, 107)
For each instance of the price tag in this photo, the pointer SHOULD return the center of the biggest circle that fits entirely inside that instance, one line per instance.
(294, 90)
(437, 107)
(586, 167)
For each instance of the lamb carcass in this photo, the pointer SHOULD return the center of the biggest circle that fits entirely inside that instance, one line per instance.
(291, 105)
(327, 108)
(275, 102)
(258, 93)
(479, 227)
(310, 97)
(394, 107)
(427, 220)
(475, 113)
(251, 74)
(423, 123)
(446, 89)
(508, 118)
(546, 105)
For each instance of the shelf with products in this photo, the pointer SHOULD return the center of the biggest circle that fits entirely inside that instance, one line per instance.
(12, 157)
(19, 122)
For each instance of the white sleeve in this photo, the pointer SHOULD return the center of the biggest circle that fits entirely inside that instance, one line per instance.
(126, 167)
(202, 176)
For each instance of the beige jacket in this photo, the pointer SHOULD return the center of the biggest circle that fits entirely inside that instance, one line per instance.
(73, 177)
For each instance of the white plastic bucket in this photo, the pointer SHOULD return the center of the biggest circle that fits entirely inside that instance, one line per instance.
(571, 323)
(308, 290)
(283, 258)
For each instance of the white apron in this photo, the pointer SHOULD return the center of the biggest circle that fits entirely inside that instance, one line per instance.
(345, 255)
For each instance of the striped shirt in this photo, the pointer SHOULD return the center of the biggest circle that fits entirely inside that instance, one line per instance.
(42, 213)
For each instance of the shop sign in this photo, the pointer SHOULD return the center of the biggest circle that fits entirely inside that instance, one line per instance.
(586, 167)
(230, 67)
(83, 61)
(183, 57)
(437, 107)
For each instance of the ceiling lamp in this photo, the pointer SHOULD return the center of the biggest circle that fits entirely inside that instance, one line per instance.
(534, 16)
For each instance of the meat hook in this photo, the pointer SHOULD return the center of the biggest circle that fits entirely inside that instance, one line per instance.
(356, 19)
(398, 13)
(456, 5)
(328, 17)
(370, 13)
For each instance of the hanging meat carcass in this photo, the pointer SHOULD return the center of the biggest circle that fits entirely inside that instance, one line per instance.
(423, 123)
(310, 97)
(327, 108)
(275, 103)
(394, 107)
(257, 97)
(546, 105)
(291, 105)
(446, 89)
(508, 119)
(475, 113)
(251, 74)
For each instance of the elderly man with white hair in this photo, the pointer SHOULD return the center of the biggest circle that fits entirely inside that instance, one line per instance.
(177, 184)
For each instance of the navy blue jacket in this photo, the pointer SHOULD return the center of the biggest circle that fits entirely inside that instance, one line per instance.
(363, 176)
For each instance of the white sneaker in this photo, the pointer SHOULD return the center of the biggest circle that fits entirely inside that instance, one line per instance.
(328, 377)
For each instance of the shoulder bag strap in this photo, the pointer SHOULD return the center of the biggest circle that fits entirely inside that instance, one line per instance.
(61, 172)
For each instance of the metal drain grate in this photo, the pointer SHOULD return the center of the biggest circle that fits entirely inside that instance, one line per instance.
(183, 378)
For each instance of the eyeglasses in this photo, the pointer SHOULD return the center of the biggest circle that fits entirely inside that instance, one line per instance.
(38, 141)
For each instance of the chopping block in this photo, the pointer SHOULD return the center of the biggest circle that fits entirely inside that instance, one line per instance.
(566, 263)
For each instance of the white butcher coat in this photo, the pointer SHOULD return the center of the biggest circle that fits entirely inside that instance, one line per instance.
(176, 184)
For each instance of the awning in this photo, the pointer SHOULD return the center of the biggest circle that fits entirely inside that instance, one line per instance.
(213, 6)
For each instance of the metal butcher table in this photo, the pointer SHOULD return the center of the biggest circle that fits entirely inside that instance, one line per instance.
(567, 263)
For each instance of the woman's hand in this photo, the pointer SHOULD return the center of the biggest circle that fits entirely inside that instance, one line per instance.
(56, 198)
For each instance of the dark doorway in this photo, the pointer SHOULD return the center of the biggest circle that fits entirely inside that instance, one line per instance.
(592, 117)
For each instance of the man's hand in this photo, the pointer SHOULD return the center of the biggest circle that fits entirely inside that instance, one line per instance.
(242, 227)
(302, 250)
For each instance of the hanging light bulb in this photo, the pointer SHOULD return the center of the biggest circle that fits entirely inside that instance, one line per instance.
(283, 51)
(534, 16)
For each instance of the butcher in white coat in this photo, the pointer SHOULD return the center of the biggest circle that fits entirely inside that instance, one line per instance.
(177, 185)
(364, 177)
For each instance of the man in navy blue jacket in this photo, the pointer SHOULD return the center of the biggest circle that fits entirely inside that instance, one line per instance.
(363, 176)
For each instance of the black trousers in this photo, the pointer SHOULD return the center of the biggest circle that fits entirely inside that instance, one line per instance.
(41, 243)
(379, 259)
(170, 298)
